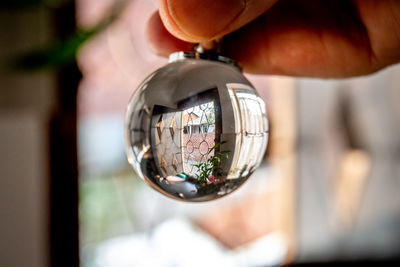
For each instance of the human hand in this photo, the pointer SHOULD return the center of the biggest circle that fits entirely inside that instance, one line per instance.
(314, 38)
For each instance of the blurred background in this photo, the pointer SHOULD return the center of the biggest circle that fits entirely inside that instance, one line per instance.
(327, 193)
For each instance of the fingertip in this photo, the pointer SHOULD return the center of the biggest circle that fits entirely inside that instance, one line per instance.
(206, 20)
(199, 20)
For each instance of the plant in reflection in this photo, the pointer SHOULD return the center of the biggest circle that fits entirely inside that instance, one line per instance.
(209, 171)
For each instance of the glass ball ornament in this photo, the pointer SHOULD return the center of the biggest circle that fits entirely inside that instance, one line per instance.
(196, 129)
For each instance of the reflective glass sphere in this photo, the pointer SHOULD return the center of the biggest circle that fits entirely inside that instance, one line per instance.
(195, 130)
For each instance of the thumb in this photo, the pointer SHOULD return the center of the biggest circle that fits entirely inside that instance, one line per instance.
(205, 20)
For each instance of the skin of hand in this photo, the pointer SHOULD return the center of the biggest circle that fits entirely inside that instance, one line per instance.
(312, 38)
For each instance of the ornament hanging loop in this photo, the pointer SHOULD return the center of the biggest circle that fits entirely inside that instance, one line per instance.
(213, 45)
(205, 50)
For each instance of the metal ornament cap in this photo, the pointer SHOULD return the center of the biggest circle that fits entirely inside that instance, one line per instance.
(196, 129)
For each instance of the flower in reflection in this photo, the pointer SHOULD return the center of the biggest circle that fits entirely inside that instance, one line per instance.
(213, 180)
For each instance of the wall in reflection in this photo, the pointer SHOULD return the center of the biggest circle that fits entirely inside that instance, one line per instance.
(183, 139)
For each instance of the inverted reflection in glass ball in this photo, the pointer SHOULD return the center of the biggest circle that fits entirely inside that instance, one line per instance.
(196, 130)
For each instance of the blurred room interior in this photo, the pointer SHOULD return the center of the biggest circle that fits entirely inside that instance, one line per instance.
(327, 193)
